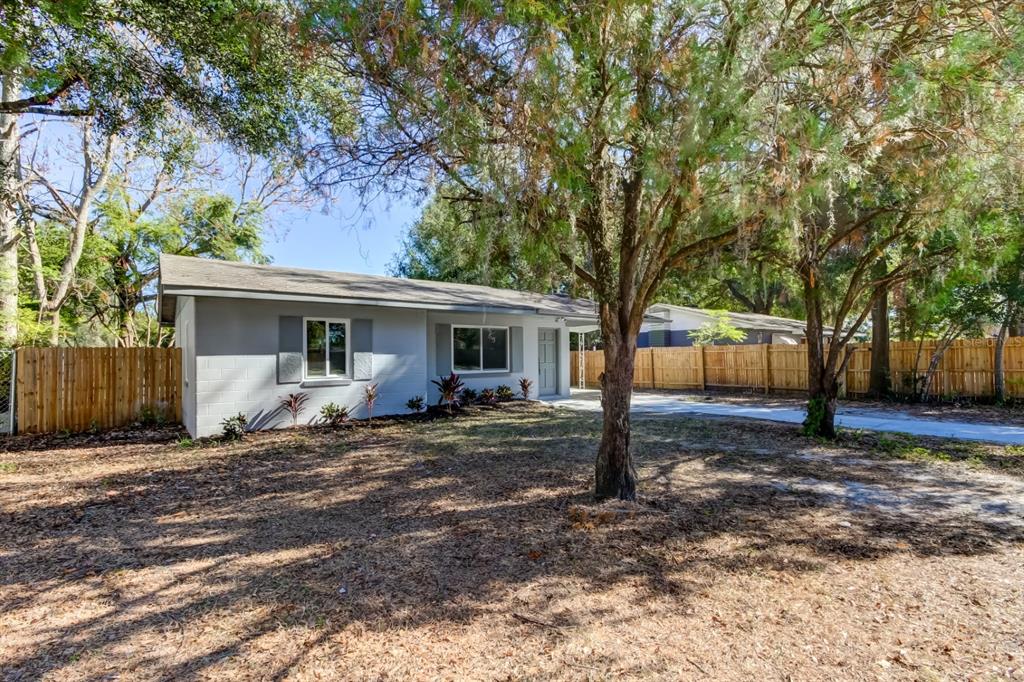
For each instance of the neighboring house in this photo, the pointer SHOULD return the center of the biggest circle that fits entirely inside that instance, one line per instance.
(676, 323)
(251, 334)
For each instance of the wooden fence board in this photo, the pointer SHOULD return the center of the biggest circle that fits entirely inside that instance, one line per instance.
(75, 389)
(967, 368)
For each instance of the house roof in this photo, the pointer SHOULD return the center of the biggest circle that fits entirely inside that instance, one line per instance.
(753, 321)
(187, 276)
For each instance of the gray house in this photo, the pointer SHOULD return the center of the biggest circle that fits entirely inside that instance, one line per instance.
(251, 334)
(670, 325)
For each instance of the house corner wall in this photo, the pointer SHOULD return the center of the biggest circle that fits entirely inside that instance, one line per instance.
(185, 339)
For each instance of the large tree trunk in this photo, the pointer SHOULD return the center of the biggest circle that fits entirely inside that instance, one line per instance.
(614, 475)
(10, 180)
(880, 384)
(822, 383)
(999, 364)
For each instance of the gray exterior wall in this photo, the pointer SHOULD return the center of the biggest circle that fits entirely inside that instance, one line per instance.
(237, 354)
(530, 325)
(185, 339)
(232, 346)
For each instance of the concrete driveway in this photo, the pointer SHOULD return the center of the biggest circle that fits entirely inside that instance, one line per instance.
(848, 417)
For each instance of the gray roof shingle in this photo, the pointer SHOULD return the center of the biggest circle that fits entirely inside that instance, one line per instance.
(179, 274)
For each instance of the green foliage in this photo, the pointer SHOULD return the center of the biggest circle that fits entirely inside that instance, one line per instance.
(718, 329)
(453, 243)
(815, 417)
(504, 393)
(415, 404)
(233, 428)
(230, 66)
(334, 414)
(157, 414)
(191, 223)
(468, 396)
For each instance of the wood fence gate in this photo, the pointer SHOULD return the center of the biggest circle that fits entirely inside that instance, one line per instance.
(76, 389)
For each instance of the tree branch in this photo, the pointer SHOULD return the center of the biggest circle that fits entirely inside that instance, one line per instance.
(19, 106)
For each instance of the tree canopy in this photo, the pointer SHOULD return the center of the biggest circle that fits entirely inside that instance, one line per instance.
(632, 139)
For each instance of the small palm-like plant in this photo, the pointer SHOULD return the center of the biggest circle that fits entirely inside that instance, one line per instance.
(294, 403)
(234, 427)
(370, 395)
(415, 403)
(504, 393)
(467, 396)
(334, 414)
(525, 386)
(488, 397)
(449, 387)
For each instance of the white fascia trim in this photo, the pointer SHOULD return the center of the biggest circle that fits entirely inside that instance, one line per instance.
(269, 296)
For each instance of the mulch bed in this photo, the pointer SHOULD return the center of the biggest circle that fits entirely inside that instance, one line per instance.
(468, 548)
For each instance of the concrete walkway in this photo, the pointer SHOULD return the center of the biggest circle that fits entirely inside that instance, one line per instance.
(848, 417)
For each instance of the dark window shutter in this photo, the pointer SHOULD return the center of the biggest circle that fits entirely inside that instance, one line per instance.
(362, 350)
(515, 337)
(289, 350)
(444, 349)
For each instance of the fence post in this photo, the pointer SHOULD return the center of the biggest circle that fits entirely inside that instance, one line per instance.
(700, 369)
(654, 369)
(767, 367)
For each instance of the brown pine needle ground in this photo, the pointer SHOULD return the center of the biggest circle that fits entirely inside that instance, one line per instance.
(469, 549)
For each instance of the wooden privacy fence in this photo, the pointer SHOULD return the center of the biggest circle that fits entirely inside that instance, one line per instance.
(966, 368)
(75, 389)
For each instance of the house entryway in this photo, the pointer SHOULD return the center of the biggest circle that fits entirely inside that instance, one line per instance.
(547, 359)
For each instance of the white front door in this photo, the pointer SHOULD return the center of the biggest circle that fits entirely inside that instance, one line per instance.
(547, 355)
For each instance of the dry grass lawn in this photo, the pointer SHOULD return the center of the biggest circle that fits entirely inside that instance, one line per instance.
(468, 549)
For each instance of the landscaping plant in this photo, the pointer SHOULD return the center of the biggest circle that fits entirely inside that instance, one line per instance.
(525, 386)
(370, 395)
(295, 403)
(468, 396)
(488, 396)
(334, 414)
(415, 403)
(234, 427)
(450, 387)
(504, 394)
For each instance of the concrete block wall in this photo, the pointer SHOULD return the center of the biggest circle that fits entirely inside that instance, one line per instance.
(236, 350)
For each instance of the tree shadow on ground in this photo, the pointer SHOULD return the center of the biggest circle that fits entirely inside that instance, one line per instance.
(431, 522)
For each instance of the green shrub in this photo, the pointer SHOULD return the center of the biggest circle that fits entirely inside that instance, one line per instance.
(334, 414)
(234, 427)
(415, 403)
(468, 395)
(156, 414)
(504, 393)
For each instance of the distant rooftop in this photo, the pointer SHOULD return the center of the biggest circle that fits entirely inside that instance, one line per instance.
(187, 276)
(754, 321)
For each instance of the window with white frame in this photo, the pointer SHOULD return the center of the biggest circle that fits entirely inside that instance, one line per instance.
(325, 348)
(479, 349)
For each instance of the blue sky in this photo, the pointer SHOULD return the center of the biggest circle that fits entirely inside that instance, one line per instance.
(345, 237)
(338, 235)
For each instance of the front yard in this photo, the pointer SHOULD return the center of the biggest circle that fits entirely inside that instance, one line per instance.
(469, 549)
